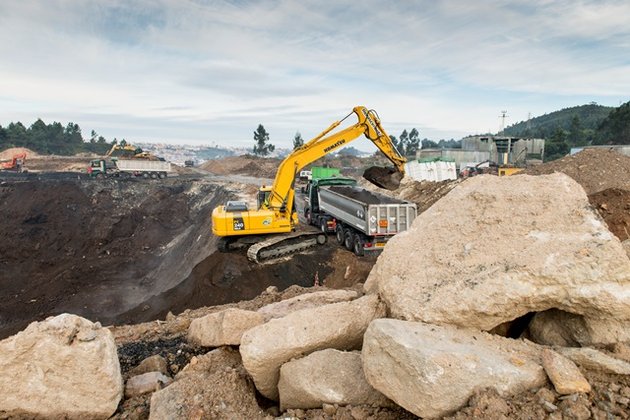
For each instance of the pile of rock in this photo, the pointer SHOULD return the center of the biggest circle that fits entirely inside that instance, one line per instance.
(491, 254)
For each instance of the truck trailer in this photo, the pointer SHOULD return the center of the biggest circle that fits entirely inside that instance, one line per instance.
(103, 168)
(362, 221)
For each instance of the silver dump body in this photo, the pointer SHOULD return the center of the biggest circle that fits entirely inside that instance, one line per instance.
(372, 213)
(139, 165)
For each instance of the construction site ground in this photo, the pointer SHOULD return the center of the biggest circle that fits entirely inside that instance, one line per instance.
(139, 255)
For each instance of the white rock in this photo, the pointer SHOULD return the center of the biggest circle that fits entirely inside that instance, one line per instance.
(146, 383)
(564, 375)
(63, 367)
(496, 248)
(155, 363)
(223, 328)
(596, 360)
(267, 347)
(305, 301)
(327, 377)
(433, 370)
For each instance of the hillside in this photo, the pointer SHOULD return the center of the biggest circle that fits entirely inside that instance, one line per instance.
(590, 116)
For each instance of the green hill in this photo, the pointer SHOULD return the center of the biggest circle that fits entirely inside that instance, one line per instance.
(588, 119)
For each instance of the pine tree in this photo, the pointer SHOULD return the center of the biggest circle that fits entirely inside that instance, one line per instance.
(261, 138)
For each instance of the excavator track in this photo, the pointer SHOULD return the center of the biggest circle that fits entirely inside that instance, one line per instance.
(281, 245)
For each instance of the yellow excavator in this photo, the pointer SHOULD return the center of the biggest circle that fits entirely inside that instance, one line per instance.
(260, 230)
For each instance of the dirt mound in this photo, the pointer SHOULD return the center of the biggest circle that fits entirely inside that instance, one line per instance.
(9, 153)
(594, 169)
(243, 165)
(613, 205)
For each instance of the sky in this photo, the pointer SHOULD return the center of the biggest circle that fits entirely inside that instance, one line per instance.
(209, 72)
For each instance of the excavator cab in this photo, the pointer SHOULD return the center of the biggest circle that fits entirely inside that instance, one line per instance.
(263, 197)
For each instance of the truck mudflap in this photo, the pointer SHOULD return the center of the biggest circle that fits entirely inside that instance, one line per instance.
(281, 245)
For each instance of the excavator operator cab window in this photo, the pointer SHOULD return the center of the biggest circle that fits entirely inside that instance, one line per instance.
(263, 198)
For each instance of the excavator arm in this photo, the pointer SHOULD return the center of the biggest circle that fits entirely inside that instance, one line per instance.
(282, 191)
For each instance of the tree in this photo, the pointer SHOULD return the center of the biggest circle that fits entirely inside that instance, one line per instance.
(615, 128)
(576, 133)
(261, 138)
(429, 144)
(297, 140)
(413, 144)
(557, 146)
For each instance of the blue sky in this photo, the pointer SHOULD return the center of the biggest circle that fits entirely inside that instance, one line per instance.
(207, 72)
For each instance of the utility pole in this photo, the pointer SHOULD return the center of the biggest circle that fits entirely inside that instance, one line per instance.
(503, 116)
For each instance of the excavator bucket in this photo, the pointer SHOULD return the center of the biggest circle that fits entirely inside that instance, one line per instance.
(388, 178)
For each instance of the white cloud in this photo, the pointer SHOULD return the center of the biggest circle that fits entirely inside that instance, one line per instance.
(216, 69)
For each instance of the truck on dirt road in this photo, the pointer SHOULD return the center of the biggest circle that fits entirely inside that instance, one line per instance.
(105, 168)
(362, 221)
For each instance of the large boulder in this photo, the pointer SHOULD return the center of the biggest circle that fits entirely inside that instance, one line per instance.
(327, 377)
(212, 386)
(497, 248)
(223, 328)
(63, 367)
(306, 301)
(433, 370)
(267, 347)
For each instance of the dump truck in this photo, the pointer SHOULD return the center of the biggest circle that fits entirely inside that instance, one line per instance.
(105, 168)
(362, 221)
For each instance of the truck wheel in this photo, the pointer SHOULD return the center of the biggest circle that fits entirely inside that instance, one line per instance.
(341, 235)
(349, 240)
(145, 175)
(161, 175)
(323, 225)
(308, 216)
(154, 175)
(358, 246)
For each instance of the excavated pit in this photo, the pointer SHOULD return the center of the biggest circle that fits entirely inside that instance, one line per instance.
(123, 251)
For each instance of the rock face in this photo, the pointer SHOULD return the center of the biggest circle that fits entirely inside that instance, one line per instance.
(305, 301)
(339, 325)
(63, 367)
(433, 370)
(327, 377)
(212, 386)
(565, 376)
(549, 250)
(223, 328)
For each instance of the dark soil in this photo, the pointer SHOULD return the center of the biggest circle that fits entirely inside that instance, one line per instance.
(94, 248)
(226, 278)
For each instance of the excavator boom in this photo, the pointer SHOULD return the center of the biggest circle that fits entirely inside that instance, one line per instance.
(275, 213)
